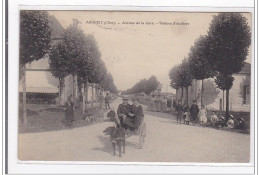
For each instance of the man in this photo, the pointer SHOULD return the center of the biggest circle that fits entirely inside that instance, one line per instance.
(123, 112)
(107, 98)
(100, 100)
(179, 110)
(194, 110)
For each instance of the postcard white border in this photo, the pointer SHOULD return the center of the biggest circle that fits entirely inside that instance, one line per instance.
(29, 167)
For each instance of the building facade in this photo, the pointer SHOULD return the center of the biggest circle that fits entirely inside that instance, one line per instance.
(214, 98)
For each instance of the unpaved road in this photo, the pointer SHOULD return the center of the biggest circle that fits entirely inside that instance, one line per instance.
(165, 142)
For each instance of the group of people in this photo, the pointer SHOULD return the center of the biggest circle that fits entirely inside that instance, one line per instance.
(129, 116)
(106, 99)
(158, 103)
(191, 114)
(199, 116)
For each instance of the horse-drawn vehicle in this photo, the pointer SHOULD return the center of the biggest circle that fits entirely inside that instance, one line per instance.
(140, 132)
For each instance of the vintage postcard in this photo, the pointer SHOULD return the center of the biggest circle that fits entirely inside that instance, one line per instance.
(135, 86)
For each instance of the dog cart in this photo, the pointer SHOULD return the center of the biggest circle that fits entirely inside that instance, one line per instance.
(140, 132)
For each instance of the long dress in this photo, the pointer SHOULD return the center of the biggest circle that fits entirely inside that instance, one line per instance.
(138, 115)
(69, 111)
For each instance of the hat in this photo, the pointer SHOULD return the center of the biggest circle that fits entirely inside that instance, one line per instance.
(231, 116)
(124, 98)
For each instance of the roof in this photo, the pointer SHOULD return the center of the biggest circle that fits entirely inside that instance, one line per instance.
(246, 69)
(40, 82)
(56, 27)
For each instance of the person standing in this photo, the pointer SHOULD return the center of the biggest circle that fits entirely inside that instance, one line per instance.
(202, 115)
(185, 110)
(179, 111)
(107, 99)
(194, 110)
(100, 100)
(69, 112)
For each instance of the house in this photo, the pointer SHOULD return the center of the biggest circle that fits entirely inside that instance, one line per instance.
(41, 85)
(214, 98)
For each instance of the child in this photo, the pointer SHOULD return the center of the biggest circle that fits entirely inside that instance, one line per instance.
(230, 122)
(214, 118)
(202, 115)
(187, 118)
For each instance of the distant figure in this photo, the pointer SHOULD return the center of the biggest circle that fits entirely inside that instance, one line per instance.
(187, 118)
(153, 104)
(221, 122)
(185, 110)
(164, 104)
(194, 110)
(240, 123)
(100, 100)
(107, 99)
(69, 112)
(179, 110)
(202, 115)
(230, 122)
(214, 118)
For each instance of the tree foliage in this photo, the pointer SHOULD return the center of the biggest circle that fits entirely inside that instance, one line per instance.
(173, 75)
(229, 40)
(198, 63)
(144, 86)
(184, 74)
(35, 35)
(224, 82)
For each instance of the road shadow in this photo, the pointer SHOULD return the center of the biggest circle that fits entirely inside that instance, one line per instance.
(107, 145)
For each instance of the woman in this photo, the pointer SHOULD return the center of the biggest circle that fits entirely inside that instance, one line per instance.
(202, 115)
(137, 112)
(69, 112)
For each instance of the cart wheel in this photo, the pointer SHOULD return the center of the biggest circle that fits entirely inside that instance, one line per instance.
(142, 135)
(141, 141)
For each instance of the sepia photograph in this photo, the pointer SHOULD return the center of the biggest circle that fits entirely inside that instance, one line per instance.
(135, 86)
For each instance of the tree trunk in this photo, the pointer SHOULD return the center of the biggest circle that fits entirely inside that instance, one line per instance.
(187, 97)
(73, 89)
(83, 99)
(59, 91)
(92, 96)
(223, 100)
(195, 91)
(86, 94)
(181, 94)
(201, 94)
(227, 105)
(24, 97)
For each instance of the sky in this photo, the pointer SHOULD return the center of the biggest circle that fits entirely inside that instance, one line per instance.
(133, 51)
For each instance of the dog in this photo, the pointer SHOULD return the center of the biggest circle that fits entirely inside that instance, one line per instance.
(117, 136)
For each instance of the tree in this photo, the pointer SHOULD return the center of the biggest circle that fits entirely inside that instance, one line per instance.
(184, 77)
(151, 85)
(229, 40)
(199, 66)
(35, 42)
(174, 77)
(75, 51)
(58, 64)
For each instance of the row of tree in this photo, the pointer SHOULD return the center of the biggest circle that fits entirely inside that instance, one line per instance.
(219, 54)
(144, 86)
(75, 54)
